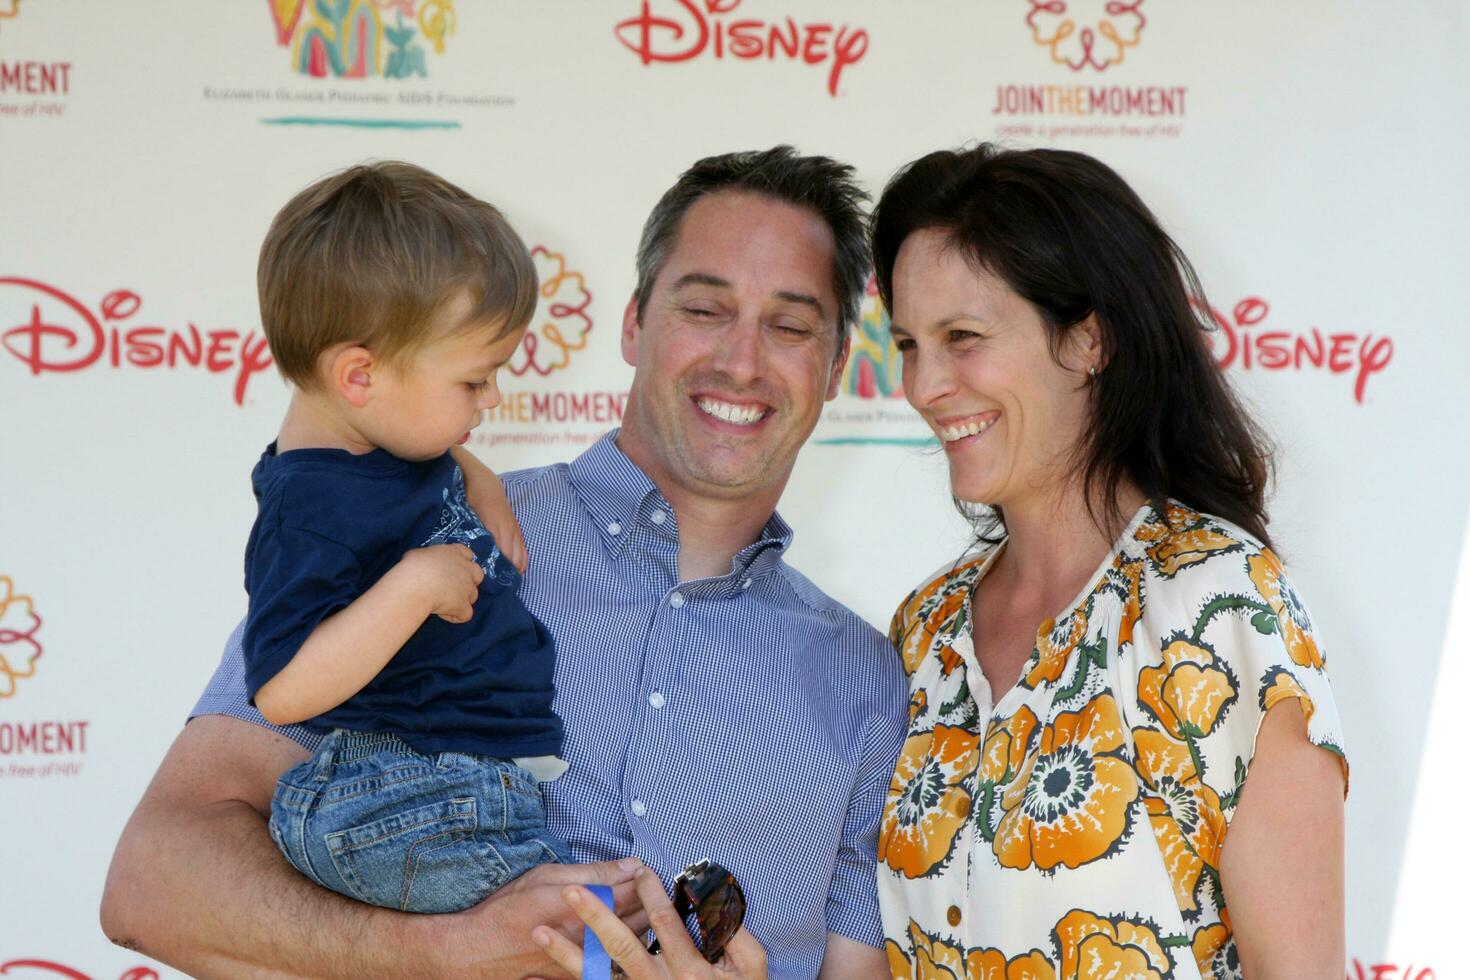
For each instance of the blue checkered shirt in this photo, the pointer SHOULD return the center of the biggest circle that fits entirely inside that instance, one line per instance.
(748, 718)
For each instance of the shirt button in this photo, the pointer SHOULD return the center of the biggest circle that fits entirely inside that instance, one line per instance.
(639, 809)
(954, 910)
(614, 528)
(745, 584)
(656, 699)
(676, 600)
(659, 517)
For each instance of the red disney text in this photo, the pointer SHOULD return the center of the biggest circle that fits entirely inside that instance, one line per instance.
(83, 337)
(23, 968)
(1388, 971)
(693, 27)
(1236, 344)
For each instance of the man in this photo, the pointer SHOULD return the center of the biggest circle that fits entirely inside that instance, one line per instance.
(716, 704)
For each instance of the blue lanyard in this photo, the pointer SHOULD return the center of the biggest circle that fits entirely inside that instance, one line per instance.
(596, 965)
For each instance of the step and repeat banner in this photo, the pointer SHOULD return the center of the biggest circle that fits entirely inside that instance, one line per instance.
(1308, 156)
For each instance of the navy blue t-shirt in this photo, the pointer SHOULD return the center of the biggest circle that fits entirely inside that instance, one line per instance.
(330, 525)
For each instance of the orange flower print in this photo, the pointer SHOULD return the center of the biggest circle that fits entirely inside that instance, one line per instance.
(1054, 645)
(1072, 803)
(1278, 684)
(928, 611)
(1181, 549)
(938, 959)
(991, 964)
(1190, 691)
(1187, 818)
(1132, 574)
(928, 800)
(1002, 755)
(1215, 952)
(934, 959)
(1291, 616)
(918, 701)
(1093, 947)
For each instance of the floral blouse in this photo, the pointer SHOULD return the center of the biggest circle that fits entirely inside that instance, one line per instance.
(1074, 829)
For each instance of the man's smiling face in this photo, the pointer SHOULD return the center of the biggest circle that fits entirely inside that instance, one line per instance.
(737, 348)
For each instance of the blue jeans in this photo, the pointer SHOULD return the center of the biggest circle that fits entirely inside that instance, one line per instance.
(372, 819)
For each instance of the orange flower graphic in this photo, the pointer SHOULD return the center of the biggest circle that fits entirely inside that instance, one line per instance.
(1186, 814)
(1054, 645)
(1086, 33)
(1277, 684)
(928, 800)
(1072, 803)
(19, 650)
(1182, 549)
(1095, 947)
(1214, 951)
(1002, 757)
(561, 322)
(1191, 689)
(1291, 616)
(991, 964)
(926, 612)
(937, 959)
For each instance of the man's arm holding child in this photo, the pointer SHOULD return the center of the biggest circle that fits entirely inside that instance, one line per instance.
(197, 883)
(350, 647)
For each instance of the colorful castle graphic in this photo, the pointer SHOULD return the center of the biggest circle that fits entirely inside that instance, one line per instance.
(356, 38)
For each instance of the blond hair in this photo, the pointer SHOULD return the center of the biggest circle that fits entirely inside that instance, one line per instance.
(368, 256)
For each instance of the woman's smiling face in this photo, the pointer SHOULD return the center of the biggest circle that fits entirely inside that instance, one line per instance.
(978, 367)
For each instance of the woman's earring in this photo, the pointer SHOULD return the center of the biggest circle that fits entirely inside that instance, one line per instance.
(1092, 372)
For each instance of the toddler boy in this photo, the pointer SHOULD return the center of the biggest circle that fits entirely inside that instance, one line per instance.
(381, 610)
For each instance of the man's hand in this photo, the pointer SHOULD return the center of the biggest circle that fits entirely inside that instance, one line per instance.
(493, 939)
(487, 497)
(448, 578)
(197, 883)
(744, 958)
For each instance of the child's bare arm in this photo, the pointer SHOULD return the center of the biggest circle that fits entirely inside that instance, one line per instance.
(350, 647)
(487, 496)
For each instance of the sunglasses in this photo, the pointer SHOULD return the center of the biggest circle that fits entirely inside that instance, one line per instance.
(713, 896)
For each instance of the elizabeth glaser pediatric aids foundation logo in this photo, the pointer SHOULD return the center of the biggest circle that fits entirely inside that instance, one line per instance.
(362, 38)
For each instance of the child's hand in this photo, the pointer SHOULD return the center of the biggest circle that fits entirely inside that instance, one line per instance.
(448, 577)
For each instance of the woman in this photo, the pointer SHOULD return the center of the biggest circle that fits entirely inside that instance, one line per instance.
(1118, 707)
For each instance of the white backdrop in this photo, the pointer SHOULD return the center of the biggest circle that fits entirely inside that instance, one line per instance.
(1309, 157)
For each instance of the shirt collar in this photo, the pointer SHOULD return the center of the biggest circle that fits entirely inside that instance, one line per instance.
(616, 492)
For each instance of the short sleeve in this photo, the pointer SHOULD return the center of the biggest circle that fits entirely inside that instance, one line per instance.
(852, 902)
(296, 579)
(225, 695)
(1245, 645)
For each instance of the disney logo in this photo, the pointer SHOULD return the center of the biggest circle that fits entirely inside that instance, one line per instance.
(1279, 350)
(59, 333)
(689, 28)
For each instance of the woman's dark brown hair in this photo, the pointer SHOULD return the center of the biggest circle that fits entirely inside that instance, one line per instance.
(1069, 236)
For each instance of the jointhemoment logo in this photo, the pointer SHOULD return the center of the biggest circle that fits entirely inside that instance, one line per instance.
(1087, 34)
(56, 332)
(559, 329)
(561, 322)
(687, 29)
(346, 38)
(19, 648)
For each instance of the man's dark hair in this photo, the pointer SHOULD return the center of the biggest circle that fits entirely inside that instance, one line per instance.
(819, 183)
